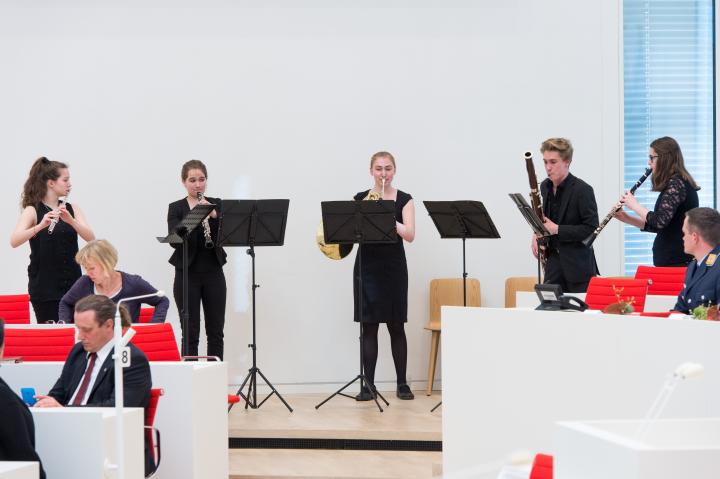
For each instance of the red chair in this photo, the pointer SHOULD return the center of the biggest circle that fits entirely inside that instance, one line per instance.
(15, 308)
(152, 433)
(663, 280)
(600, 292)
(45, 344)
(146, 315)
(542, 467)
(157, 341)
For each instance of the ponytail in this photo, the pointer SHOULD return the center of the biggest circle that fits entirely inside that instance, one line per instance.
(35, 187)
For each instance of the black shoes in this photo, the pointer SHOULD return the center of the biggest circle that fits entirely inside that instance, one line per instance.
(404, 392)
(364, 394)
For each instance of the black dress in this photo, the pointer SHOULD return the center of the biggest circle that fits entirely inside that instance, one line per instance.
(667, 219)
(384, 276)
(52, 270)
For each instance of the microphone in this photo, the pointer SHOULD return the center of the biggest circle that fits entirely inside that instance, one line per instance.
(54, 221)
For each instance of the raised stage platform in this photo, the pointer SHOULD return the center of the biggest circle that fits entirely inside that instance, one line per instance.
(344, 438)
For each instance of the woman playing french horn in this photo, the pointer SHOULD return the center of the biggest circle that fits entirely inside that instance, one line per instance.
(385, 279)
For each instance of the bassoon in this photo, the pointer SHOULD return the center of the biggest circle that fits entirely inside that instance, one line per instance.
(535, 201)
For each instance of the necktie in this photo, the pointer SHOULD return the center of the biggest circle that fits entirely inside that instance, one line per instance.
(85, 381)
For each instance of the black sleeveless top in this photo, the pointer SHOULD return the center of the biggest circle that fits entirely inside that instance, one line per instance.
(52, 270)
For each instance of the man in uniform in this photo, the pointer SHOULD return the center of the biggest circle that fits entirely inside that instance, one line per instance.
(701, 239)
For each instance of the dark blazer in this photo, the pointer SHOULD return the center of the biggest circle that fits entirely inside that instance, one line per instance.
(702, 283)
(578, 218)
(17, 429)
(136, 380)
(176, 212)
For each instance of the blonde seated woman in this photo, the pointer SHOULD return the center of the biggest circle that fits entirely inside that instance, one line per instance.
(99, 258)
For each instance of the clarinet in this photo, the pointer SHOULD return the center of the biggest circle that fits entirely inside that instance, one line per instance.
(206, 227)
(61, 200)
(590, 239)
(536, 202)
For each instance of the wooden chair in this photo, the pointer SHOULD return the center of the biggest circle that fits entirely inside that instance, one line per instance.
(517, 283)
(15, 308)
(446, 292)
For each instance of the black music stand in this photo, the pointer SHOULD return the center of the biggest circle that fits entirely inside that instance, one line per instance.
(361, 222)
(536, 224)
(180, 235)
(254, 223)
(461, 219)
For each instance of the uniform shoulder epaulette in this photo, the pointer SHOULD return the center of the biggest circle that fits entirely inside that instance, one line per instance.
(711, 259)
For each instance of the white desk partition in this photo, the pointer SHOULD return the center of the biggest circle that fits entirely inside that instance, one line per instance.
(191, 416)
(19, 470)
(78, 442)
(654, 303)
(510, 374)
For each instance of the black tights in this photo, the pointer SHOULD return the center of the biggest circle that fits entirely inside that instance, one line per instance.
(398, 344)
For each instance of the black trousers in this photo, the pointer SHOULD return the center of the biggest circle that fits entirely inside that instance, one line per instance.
(46, 311)
(210, 290)
(554, 275)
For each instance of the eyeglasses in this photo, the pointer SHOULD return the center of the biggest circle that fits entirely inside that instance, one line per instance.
(653, 157)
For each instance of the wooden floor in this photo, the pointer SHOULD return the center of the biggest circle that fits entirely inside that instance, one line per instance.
(340, 418)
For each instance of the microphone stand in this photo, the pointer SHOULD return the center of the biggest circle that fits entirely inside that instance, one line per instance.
(120, 343)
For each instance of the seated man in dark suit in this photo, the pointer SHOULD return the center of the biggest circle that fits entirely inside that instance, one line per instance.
(88, 377)
(701, 239)
(17, 429)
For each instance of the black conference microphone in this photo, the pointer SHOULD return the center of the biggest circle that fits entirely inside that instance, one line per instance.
(54, 221)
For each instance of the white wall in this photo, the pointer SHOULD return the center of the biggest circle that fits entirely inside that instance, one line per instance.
(289, 100)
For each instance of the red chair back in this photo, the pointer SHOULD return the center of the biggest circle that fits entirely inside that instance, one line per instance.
(146, 315)
(155, 394)
(43, 344)
(542, 467)
(15, 308)
(157, 341)
(664, 280)
(600, 292)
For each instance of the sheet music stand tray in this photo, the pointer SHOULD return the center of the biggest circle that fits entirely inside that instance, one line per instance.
(535, 223)
(361, 222)
(461, 219)
(254, 223)
(180, 235)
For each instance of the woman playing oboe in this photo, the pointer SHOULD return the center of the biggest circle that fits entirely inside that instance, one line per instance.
(206, 280)
(678, 194)
(52, 226)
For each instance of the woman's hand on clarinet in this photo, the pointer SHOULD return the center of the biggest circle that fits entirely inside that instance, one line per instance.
(622, 216)
(628, 200)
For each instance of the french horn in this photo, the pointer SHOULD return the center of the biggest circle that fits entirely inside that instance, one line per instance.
(340, 251)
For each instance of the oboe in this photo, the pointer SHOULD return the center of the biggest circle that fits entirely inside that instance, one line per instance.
(206, 227)
(590, 239)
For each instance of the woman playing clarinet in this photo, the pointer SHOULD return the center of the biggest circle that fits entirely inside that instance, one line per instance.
(678, 194)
